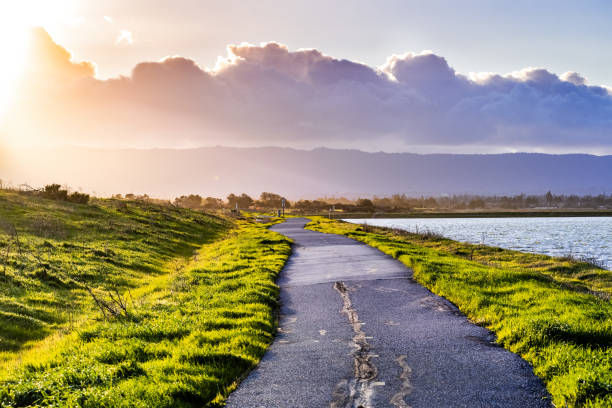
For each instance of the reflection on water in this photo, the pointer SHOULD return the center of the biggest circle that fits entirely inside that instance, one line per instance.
(582, 237)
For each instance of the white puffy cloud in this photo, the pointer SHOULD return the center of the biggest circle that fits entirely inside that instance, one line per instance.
(573, 77)
(266, 94)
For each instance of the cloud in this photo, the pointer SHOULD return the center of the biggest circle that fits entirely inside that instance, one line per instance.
(125, 37)
(48, 61)
(573, 77)
(267, 94)
(108, 19)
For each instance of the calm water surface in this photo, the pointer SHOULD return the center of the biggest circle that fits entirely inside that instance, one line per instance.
(583, 237)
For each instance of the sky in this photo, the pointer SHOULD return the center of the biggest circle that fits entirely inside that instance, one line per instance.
(422, 76)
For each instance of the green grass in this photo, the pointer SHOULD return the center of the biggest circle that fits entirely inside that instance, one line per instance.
(191, 330)
(553, 312)
(60, 248)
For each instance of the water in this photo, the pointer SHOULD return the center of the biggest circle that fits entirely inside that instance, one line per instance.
(582, 237)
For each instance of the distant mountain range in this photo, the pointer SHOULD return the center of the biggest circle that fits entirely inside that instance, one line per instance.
(218, 171)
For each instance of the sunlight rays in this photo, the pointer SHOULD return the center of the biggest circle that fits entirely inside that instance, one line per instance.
(16, 19)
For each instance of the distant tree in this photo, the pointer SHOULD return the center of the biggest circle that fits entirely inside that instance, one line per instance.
(532, 201)
(303, 205)
(232, 201)
(382, 202)
(212, 203)
(314, 205)
(318, 204)
(243, 201)
(364, 203)
(130, 196)
(272, 200)
(476, 202)
(430, 203)
(572, 201)
(549, 198)
(193, 201)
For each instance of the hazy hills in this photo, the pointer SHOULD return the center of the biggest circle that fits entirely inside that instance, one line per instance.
(217, 171)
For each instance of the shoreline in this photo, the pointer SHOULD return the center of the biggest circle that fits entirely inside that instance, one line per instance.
(471, 214)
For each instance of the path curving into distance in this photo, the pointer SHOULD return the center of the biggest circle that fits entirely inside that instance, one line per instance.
(357, 331)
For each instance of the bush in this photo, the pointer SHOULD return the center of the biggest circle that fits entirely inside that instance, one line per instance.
(55, 192)
(78, 198)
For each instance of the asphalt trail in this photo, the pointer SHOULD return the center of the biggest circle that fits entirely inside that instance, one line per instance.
(357, 331)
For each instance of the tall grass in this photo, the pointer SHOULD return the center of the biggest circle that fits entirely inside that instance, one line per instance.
(189, 338)
(52, 251)
(541, 308)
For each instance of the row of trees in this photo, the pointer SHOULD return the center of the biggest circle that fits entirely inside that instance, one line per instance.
(522, 201)
(462, 202)
(402, 202)
(396, 202)
(243, 201)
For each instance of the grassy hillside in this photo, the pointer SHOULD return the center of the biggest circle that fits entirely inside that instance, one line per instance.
(553, 312)
(185, 342)
(176, 331)
(52, 251)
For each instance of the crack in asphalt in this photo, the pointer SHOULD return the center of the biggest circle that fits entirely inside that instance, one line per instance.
(406, 388)
(358, 392)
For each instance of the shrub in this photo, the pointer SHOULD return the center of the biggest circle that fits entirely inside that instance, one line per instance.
(78, 198)
(54, 192)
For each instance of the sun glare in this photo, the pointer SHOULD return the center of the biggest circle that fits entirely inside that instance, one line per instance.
(16, 18)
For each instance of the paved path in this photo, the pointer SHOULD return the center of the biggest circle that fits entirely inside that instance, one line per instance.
(357, 331)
